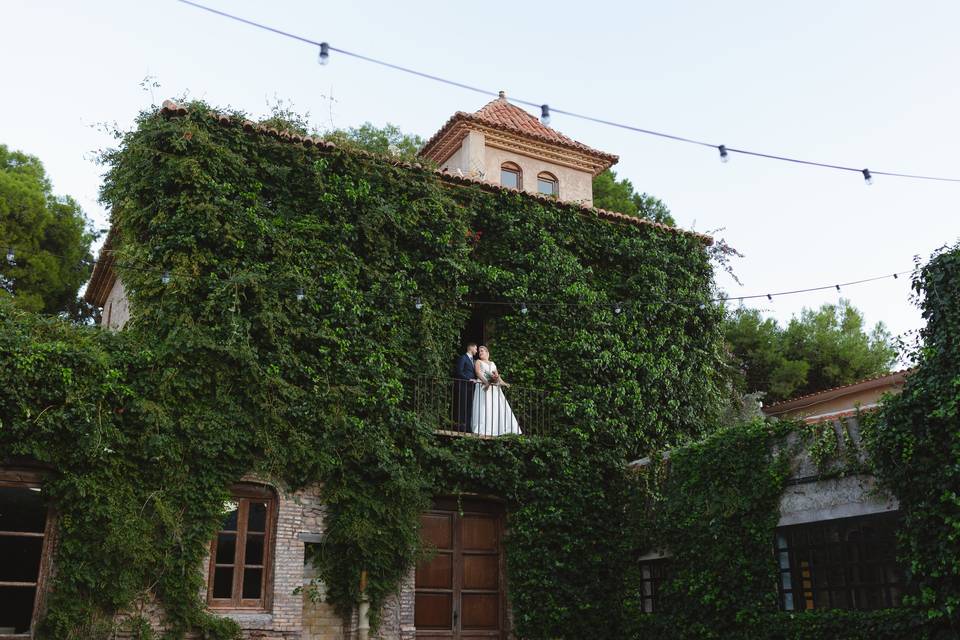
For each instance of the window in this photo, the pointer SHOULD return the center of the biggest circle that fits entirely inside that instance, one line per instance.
(652, 575)
(24, 539)
(548, 185)
(839, 564)
(511, 176)
(240, 557)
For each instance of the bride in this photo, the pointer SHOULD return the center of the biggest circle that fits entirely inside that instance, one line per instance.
(492, 415)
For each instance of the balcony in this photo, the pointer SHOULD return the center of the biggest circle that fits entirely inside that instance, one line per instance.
(468, 409)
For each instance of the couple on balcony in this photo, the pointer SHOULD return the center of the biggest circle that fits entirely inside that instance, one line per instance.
(481, 406)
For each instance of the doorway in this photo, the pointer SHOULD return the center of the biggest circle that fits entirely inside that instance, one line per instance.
(460, 591)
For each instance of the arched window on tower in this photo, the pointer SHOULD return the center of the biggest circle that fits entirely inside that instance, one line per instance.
(548, 185)
(511, 176)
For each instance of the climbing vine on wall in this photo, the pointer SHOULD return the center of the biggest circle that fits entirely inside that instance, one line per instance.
(914, 444)
(285, 343)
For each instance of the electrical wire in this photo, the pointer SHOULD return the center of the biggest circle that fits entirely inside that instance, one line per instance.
(650, 132)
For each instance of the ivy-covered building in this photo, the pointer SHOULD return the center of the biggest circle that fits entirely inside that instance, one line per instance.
(265, 449)
(267, 439)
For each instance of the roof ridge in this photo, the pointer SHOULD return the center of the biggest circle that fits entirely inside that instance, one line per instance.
(171, 108)
(504, 115)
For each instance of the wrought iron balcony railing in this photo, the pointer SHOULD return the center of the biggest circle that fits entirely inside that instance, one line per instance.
(468, 408)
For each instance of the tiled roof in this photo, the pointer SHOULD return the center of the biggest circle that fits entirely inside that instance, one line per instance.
(895, 377)
(501, 114)
(103, 276)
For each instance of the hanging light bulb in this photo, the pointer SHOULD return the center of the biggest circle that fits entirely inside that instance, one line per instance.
(523, 308)
(324, 58)
(300, 294)
(617, 309)
(545, 114)
(894, 276)
(418, 304)
(838, 287)
(165, 278)
(10, 255)
(724, 156)
(769, 297)
(867, 177)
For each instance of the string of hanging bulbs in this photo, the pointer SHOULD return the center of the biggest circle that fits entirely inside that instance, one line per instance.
(618, 307)
(724, 151)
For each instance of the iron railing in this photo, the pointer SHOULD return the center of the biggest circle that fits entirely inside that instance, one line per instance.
(467, 408)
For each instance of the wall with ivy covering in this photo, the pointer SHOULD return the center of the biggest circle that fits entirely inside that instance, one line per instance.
(223, 371)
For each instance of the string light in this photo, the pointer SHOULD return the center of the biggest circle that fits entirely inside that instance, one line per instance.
(10, 256)
(769, 297)
(300, 294)
(867, 177)
(724, 156)
(523, 308)
(325, 48)
(418, 304)
(545, 114)
(617, 308)
(838, 288)
(165, 278)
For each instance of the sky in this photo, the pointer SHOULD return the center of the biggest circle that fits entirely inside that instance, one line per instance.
(866, 84)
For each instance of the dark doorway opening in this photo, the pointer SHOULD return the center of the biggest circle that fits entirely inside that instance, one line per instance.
(479, 327)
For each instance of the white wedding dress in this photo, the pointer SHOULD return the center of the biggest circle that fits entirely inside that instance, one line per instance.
(492, 415)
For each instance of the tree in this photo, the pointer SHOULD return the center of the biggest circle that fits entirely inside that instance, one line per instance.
(820, 349)
(619, 195)
(49, 235)
(386, 140)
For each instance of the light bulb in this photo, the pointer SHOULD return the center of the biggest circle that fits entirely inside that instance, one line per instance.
(300, 294)
(617, 309)
(769, 297)
(724, 156)
(867, 177)
(545, 114)
(523, 309)
(165, 278)
(10, 255)
(418, 304)
(324, 58)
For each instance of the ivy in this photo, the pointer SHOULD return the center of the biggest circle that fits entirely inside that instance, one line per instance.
(914, 444)
(225, 370)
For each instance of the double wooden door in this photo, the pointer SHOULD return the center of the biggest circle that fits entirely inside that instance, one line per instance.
(460, 590)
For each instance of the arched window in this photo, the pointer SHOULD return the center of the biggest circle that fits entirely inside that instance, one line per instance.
(548, 185)
(511, 176)
(242, 553)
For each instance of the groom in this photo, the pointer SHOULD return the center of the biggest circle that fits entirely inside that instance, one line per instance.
(464, 376)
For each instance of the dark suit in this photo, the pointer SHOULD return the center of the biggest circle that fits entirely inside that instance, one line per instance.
(463, 374)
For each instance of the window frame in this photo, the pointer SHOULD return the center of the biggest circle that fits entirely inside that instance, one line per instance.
(244, 494)
(546, 176)
(653, 573)
(514, 168)
(33, 479)
(840, 576)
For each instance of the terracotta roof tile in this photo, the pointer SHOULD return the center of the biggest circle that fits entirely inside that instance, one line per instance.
(501, 114)
(896, 377)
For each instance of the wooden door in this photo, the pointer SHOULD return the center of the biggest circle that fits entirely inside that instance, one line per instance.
(460, 590)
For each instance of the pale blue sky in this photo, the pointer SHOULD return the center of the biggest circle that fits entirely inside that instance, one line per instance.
(870, 84)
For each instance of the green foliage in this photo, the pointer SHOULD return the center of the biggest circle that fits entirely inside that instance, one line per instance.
(713, 505)
(919, 429)
(223, 371)
(821, 349)
(619, 195)
(387, 140)
(50, 235)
